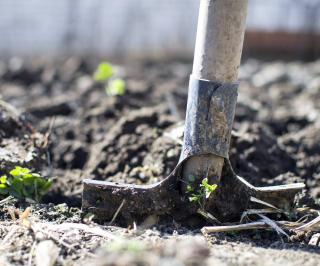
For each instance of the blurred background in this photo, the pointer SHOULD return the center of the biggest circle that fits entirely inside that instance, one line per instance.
(149, 28)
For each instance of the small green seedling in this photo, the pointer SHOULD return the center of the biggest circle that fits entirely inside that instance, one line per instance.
(200, 194)
(22, 184)
(105, 73)
(3, 185)
(116, 87)
(207, 188)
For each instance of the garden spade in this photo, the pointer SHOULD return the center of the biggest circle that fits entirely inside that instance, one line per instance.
(212, 98)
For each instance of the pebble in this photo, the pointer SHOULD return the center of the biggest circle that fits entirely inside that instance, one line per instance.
(315, 240)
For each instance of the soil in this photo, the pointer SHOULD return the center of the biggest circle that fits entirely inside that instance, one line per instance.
(56, 119)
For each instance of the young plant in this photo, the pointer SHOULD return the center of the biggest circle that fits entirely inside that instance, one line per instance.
(105, 73)
(21, 183)
(116, 87)
(201, 193)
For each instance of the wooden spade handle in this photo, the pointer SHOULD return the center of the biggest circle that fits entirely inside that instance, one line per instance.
(220, 33)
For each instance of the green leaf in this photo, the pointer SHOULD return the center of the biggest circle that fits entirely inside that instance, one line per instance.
(194, 198)
(28, 182)
(28, 189)
(204, 182)
(208, 189)
(27, 192)
(46, 186)
(24, 184)
(116, 87)
(28, 176)
(3, 179)
(16, 183)
(19, 171)
(103, 72)
(213, 187)
(207, 186)
(189, 189)
(41, 187)
(16, 188)
(3, 189)
(15, 193)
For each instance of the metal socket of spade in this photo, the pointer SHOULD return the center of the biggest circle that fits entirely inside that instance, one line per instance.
(208, 102)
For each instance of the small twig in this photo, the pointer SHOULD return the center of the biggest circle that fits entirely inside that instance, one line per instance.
(304, 218)
(208, 216)
(5, 200)
(273, 225)
(253, 199)
(31, 253)
(248, 226)
(238, 227)
(257, 211)
(48, 133)
(117, 212)
(307, 210)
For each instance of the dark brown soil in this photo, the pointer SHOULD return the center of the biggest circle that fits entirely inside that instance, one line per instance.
(122, 138)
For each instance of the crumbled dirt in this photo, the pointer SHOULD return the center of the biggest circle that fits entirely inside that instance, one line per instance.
(20, 143)
(122, 139)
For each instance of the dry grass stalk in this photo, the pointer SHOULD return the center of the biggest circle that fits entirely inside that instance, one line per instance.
(253, 199)
(273, 225)
(257, 211)
(6, 200)
(117, 212)
(248, 226)
(208, 216)
(313, 225)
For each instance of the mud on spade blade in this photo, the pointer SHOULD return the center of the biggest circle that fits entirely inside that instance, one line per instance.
(208, 102)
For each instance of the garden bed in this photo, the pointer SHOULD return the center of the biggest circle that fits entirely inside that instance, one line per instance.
(62, 123)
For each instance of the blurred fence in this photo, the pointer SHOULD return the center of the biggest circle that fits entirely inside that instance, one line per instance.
(144, 28)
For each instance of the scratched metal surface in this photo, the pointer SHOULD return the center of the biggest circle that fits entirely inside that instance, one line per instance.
(211, 103)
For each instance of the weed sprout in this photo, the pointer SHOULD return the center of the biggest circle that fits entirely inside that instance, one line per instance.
(105, 73)
(21, 183)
